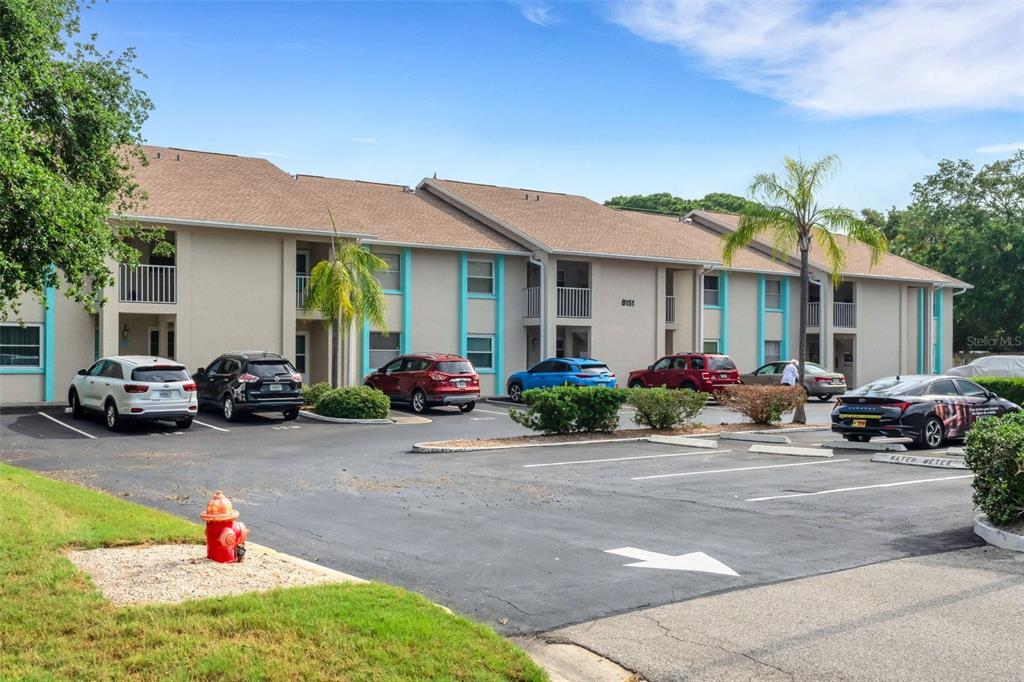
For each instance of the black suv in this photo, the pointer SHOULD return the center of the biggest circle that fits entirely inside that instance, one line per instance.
(250, 381)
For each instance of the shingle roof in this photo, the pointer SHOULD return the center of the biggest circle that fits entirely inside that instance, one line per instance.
(568, 223)
(858, 257)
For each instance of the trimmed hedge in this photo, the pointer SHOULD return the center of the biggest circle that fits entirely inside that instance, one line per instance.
(313, 392)
(995, 451)
(353, 402)
(665, 408)
(762, 404)
(1010, 388)
(570, 409)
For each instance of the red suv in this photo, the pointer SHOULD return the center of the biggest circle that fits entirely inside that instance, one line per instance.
(427, 379)
(696, 371)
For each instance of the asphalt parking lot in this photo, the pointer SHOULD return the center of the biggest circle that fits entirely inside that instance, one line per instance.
(519, 539)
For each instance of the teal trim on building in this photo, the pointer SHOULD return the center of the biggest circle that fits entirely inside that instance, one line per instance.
(938, 331)
(406, 300)
(785, 318)
(463, 303)
(364, 350)
(23, 370)
(760, 320)
(723, 318)
(499, 325)
(920, 331)
(49, 346)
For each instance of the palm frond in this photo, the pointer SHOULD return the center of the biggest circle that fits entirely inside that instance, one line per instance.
(835, 256)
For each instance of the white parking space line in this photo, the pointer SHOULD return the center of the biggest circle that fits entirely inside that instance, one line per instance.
(66, 426)
(624, 459)
(210, 426)
(859, 487)
(480, 409)
(725, 471)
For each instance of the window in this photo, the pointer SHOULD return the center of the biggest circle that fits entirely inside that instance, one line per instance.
(393, 366)
(773, 294)
(772, 351)
(664, 363)
(112, 370)
(415, 364)
(214, 367)
(230, 366)
(942, 387)
(594, 369)
(160, 373)
(971, 389)
(20, 346)
(391, 278)
(268, 369)
(768, 370)
(454, 367)
(480, 351)
(384, 347)
(300, 353)
(721, 363)
(480, 277)
(679, 363)
(545, 366)
(97, 368)
(711, 290)
(711, 345)
(697, 363)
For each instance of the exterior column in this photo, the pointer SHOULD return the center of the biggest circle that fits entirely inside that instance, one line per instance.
(109, 314)
(929, 331)
(288, 295)
(723, 314)
(660, 310)
(184, 348)
(164, 326)
(827, 342)
(698, 311)
(549, 329)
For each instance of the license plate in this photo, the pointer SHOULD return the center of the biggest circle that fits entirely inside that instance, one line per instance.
(723, 375)
(460, 383)
(860, 423)
(165, 395)
(276, 387)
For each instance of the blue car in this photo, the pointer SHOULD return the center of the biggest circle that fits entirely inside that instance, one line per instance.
(560, 372)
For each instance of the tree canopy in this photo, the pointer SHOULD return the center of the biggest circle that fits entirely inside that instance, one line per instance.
(663, 202)
(70, 121)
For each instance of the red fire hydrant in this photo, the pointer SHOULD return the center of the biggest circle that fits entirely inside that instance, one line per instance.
(225, 537)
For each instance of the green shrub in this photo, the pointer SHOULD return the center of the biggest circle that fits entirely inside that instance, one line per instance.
(313, 392)
(995, 451)
(354, 402)
(762, 404)
(1010, 388)
(664, 408)
(570, 409)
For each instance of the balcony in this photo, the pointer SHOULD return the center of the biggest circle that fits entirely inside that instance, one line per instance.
(573, 302)
(670, 309)
(844, 314)
(301, 290)
(814, 314)
(147, 284)
(531, 302)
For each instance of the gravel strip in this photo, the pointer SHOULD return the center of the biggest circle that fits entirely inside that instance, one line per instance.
(169, 574)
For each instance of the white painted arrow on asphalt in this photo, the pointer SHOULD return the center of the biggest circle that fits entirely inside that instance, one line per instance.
(694, 561)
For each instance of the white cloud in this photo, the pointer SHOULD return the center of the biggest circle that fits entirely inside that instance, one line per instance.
(1005, 148)
(845, 60)
(363, 140)
(540, 13)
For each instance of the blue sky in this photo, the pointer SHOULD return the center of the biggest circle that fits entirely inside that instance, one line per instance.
(591, 98)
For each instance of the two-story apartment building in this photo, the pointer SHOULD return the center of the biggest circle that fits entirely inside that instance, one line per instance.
(503, 276)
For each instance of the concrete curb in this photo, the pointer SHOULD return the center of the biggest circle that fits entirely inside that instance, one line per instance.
(873, 447)
(684, 441)
(566, 662)
(920, 460)
(789, 450)
(338, 420)
(996, 536)
(302, 563)
(755, 437)
(428, 448)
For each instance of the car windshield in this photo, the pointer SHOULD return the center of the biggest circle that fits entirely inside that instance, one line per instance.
(890, 386)
(270, 369)
(811, 368)
(160, 373)
(720, 362)
(455, 367)
(594, 369)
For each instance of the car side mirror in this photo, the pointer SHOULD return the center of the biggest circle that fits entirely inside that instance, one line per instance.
(81, 372)
(383, 370)
(989, 395)
(650, 367)
(199, 372)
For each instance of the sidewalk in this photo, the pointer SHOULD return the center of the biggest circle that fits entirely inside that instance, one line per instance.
(946, 616)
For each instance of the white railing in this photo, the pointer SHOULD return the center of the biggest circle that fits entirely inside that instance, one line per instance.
(531, 302)
(573, 302)
(844, 314)
(301, 290)
(813, 314)
(147, 284)
(670, 308)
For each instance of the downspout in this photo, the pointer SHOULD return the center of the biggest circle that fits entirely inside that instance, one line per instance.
(939, 321)
(541, 352)
(723, 323)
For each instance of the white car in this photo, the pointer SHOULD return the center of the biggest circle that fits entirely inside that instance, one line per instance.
(135, 387)
(991, 366)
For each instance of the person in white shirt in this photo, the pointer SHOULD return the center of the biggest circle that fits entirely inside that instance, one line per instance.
(791, 373)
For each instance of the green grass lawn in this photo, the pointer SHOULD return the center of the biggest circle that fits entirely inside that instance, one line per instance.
(55, 625)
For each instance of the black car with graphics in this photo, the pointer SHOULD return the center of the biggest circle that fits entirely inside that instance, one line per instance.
(929, 409)
(243, 382)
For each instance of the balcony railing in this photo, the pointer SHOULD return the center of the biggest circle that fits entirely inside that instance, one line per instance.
(813, 314)
(670, 308)
(573, 302)
(844, 314)
(147, 284)
(531, 302)
(301, 290)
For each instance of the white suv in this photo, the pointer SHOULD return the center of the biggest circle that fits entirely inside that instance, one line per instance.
(135, 387)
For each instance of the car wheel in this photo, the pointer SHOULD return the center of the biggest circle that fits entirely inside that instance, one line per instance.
(689, 385)
(183, 423)
(515, 392)
(228, 408)
(419, 401)
(932, 434)
(111, 416)
(291, 414)
(76, 406)
(825, 398)
(636, 383)
(467, 407)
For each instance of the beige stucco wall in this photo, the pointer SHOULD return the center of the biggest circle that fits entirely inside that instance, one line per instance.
(624, 337)
(877, 350)
(743, 320)
(435, 301)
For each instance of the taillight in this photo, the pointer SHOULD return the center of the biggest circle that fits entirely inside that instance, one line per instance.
(248, 378)
(822, 380)
(901, 405)
(297, 378)
(436, 376)
(582, 376)
(705, 375)
(189, 387)
(135, 388)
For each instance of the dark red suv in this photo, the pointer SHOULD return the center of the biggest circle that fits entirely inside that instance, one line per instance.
(696, 371)
(427, 379)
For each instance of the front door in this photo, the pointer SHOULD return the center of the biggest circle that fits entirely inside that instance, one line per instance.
(302, 355)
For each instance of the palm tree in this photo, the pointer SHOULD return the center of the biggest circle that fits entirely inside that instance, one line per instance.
(787, 209)
(343, 289)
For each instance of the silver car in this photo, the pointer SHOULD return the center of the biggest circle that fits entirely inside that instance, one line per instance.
(819, 382)
(134, 387)
(991, 366)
